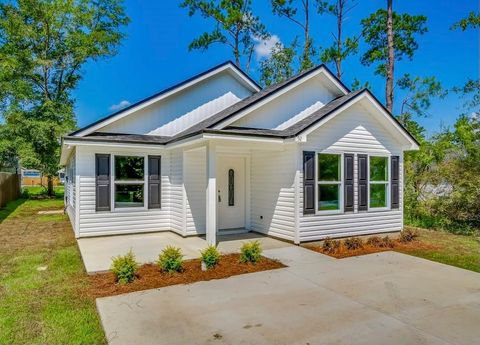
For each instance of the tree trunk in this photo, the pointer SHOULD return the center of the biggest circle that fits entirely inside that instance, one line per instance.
(50, 191)
(391, 57)
(338, 60)
(306, 47)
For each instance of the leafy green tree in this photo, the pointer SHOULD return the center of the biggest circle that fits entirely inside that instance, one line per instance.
(458, 209)
(419, 165)
(470, 92)
(404, 44)
(235, 26)
(419, 93)
(43, 46)
(341, 47)
(279, 65)
(358, 85)
(470, 22)
(298, 12)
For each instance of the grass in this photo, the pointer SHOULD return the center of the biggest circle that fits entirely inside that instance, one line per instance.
(40, 190)
(456, 250)
(43, 306)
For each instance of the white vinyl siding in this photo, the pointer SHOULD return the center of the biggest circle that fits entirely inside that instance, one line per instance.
(195, 177)
(93, 223)
(70, 189)
(176, 198)
(358, 132)
(273, 192)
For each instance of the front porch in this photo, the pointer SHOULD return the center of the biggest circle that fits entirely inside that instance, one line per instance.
(97, 252)
(240, 185)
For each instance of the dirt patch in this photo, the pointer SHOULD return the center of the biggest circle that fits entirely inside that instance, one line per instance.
(149, 276)
(398, 246)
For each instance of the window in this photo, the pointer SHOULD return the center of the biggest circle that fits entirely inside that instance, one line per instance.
(129, 181)
(378, 182)
(231, 187)
(329, 181)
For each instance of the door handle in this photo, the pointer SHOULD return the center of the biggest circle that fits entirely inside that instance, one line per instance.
(219, 198)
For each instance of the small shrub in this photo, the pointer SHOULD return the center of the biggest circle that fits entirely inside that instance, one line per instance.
(353, 243)
(124, 267)
(387, 242)
(330, 246)
(170, 259)
(374, 241)
(408, 235)
(250, 252)
(210, 256)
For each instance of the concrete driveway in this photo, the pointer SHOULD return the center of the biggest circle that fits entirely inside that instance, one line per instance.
(387, 298)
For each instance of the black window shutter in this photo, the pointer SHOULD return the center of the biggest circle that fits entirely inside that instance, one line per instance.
(348, 181)
(308, 182)
(154, 181)
(395, 169)
(102, 182)
(362, 182)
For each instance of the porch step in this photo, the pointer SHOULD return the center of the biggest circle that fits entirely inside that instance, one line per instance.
(232, 231)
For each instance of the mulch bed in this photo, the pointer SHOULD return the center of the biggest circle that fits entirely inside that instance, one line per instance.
(368, 249)
(149, 276)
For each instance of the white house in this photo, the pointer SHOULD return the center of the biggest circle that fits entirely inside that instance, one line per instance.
(302, 160)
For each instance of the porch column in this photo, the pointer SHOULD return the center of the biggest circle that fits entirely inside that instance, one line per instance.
(211, 202)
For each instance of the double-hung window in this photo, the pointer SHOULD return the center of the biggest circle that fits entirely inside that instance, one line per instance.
(329, 180)
(378, 177)
(129, 181)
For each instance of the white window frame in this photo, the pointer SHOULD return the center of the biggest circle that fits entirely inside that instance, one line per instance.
(340, 183)
(114, 182)
(387, 182)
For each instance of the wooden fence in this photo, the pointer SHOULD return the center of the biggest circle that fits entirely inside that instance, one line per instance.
(9, 187)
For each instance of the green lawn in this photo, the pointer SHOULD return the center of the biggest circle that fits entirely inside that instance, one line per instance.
(50, 307)
(43, 306)
(39, 190)
(456, 250)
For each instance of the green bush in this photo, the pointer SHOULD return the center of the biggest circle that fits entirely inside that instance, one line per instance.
(124, 267)
(250, 252)
(374, 241)
(408, 235)
(210, 256)
(330, 246)
(170, 259)
(353, 243)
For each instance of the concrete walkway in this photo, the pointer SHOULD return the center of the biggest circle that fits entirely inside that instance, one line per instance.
(386, 298)
(97, 252)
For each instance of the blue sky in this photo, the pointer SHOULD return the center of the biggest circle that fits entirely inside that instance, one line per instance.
(155, 54)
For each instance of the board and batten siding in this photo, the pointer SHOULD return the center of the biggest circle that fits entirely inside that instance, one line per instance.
(353, 131)
(120, 221)
(289, 108)
(195, 178)
(180, 111)
(273, 192)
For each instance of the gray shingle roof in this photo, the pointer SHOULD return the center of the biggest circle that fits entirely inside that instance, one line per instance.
(289, 132)
(244, 103)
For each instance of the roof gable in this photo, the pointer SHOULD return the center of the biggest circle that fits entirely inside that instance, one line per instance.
(224, 68)
(329, 85)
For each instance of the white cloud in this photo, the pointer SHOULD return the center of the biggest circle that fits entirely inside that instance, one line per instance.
(121, 105)
(263, 48)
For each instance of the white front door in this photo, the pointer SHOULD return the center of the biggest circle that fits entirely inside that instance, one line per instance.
(231, 192)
